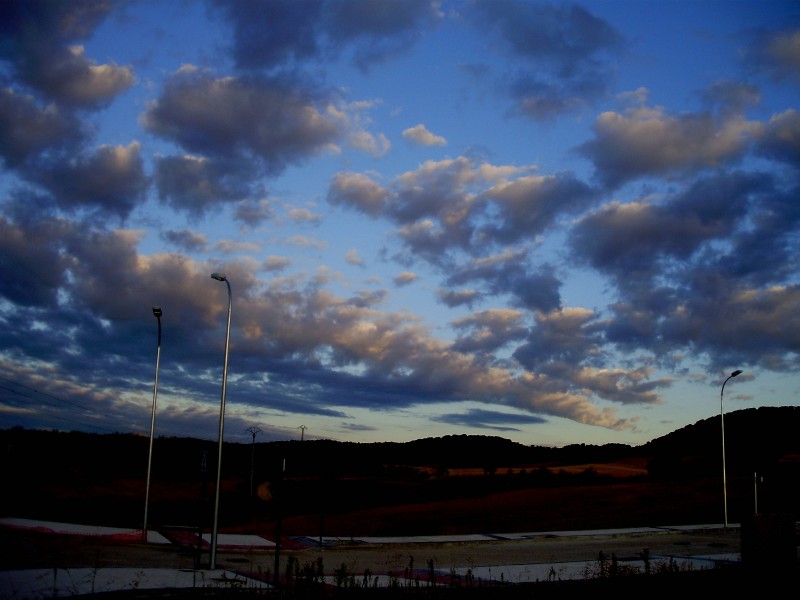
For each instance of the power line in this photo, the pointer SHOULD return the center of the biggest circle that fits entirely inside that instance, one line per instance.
(22, 385)
(121, 424)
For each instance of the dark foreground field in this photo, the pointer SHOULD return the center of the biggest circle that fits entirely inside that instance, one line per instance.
(456, 484)
(98, 484)
(350, 568)
(365, 507)
(402, 508)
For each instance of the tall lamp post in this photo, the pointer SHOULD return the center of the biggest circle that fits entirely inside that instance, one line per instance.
(213, 559)
(157, 314)
(253, 431)
(722, 421)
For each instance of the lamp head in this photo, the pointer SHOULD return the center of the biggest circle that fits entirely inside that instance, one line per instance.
(157, 312)
(218, 276)
(736, 372)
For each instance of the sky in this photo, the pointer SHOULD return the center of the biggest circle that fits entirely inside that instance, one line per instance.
(557, 223)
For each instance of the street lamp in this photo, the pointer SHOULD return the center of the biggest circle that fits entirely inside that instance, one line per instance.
(722, 421)
(253, 431)
(213, 560)
(157, 314)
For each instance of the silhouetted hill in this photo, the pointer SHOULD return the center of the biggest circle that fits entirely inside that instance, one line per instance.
(101, 479)
(755, 439)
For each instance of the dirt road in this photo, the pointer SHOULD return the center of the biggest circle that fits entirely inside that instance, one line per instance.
(564, 558)
(32, 549)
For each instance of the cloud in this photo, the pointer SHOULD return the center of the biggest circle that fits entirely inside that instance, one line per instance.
(276, 263)
(265, 36)
(563, 52)
(189, 241)
(253, 212)
(353, 258)
(270, 36)
(234, 247)
(111, 181)
(781, 139)
(303, 215)
(459, 205)
(645, 142)
(357, 427)
(567, 336)
(381, 31)
(305, 241)
(30, 262)
(405, 278)
(672, 227)
(359, 191)
(454, 298)
(490, 419)
(638, 239)
(774, 53)
(74, 80)
(531, 204)
(37, 39)
(490, 330)
(313, 334)
(196, 184)
(388, 345)
(28, 129)
(623, 386)
(744, 326)
(688, 267)
(269, 123)
(419, 134)
(732, 96)
(509, 273)
(374, 145)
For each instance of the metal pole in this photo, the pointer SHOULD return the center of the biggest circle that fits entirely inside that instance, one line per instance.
(213, 558)
(278, 525)
(157, 313)
(755, 493)
(722, 422)
(253, 431)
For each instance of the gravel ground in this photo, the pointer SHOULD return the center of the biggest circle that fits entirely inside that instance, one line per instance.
(25, 548)
(704, 559)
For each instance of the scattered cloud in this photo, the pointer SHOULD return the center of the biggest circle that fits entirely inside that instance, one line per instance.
(603, 229)
(419, 134)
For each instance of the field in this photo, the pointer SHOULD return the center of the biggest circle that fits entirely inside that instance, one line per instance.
(349, 490)
(538, 509)
(616, 495)
(582, 496)
(454, 484)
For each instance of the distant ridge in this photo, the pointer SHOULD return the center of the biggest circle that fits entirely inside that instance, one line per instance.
(99, 479)
(753, 437)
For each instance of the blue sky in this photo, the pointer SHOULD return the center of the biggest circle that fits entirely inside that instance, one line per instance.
(555, 223)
